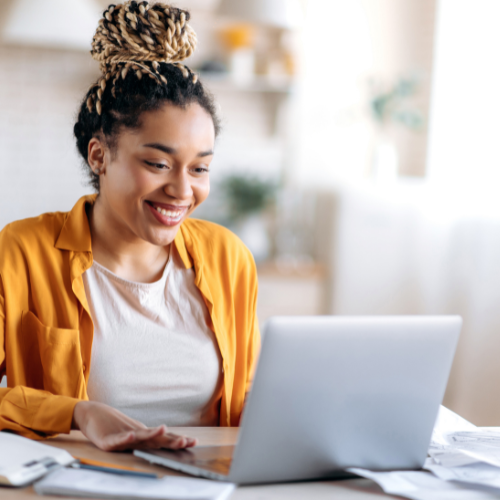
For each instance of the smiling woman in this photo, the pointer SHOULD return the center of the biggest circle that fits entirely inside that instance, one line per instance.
(125, 315)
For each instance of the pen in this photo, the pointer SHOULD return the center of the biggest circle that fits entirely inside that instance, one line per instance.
(84, 463)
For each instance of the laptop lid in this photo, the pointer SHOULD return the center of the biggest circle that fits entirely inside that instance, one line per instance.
(336, 392)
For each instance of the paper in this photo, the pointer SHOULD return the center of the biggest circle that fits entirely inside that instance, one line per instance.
(23, 460)
(462, 452)
(464, 461)
(480, 446)
(85, 483)
(477, 473)
(418, 485)
(456, 442)
(447, 422)
(451, 458)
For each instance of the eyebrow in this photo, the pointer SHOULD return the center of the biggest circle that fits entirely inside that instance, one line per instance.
(172, 151)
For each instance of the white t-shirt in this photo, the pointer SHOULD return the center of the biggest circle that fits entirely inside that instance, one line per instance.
(154, 357)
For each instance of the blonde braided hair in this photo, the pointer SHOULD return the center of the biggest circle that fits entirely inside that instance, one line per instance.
(136, 36)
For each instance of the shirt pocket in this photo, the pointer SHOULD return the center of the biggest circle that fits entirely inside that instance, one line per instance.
(60, 356)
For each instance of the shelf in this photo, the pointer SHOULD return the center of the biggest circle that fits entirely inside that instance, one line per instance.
(224, 82)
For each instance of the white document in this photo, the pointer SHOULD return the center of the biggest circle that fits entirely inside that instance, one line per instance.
(456, 442)
(23, 460)
(482, 445)
(474, 474)
(418, 485)
(455, 447)
(462, 452)
(465, 463)
(447, 422)
(451, 457)
(86, 483)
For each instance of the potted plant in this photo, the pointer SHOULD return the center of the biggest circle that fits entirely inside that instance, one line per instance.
(247, 197)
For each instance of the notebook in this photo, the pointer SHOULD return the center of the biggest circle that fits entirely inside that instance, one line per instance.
(23, 460)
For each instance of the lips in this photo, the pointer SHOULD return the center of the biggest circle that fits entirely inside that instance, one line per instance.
(169, 215)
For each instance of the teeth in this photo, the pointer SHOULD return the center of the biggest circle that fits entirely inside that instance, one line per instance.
(169, 213)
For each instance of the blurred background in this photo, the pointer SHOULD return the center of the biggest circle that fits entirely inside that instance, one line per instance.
(359, 159)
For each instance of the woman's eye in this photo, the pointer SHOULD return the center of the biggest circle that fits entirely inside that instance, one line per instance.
(160, 166)
(201, 170)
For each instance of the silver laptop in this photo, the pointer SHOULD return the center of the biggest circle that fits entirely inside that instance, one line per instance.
(331, 393)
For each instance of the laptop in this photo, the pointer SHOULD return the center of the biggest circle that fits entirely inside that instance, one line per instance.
(331, 393)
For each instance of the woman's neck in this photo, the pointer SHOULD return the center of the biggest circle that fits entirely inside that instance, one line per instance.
(125, 255)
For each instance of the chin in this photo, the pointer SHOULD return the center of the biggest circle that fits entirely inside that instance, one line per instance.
(163, 237)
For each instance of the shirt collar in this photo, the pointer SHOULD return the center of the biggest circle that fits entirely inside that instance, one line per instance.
(180, 245)
(75, 233)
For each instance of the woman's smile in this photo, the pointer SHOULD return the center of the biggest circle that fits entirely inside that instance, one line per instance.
(168, 215)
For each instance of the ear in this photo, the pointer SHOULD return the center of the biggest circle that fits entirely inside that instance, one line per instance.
(96, 156)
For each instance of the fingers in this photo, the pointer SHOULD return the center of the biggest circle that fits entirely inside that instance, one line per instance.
(176, 442)
(157, 437)
(170, 441)
(130, 439)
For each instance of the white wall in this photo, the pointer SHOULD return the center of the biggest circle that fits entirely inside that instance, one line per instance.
(465, 130)
(464, 163)
(333, 133)
(40, 92)
(345, 45)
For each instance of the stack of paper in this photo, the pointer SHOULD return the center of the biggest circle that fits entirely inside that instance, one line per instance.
(464, 460)
(83, 483)
(469, 455)
(424, 486)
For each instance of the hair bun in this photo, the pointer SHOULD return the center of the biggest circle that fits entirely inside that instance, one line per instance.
(140, 32)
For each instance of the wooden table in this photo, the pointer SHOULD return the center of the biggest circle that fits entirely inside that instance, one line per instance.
(76, 444)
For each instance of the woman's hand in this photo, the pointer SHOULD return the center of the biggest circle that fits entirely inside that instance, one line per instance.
(111, 430)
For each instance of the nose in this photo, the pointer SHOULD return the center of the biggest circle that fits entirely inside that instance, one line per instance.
(179, 185)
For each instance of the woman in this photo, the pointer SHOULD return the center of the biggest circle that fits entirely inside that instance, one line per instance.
(123, 315)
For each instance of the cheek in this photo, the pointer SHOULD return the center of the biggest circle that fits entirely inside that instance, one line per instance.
(128, 181)
(201, 190)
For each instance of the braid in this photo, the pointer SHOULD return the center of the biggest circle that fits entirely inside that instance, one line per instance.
(135, 36)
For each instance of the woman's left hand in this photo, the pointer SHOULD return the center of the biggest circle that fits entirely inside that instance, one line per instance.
(111, 430)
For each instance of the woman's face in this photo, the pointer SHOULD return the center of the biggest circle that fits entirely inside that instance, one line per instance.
(156, 175)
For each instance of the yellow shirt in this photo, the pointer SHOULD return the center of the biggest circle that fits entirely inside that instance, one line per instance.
(46, 330)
